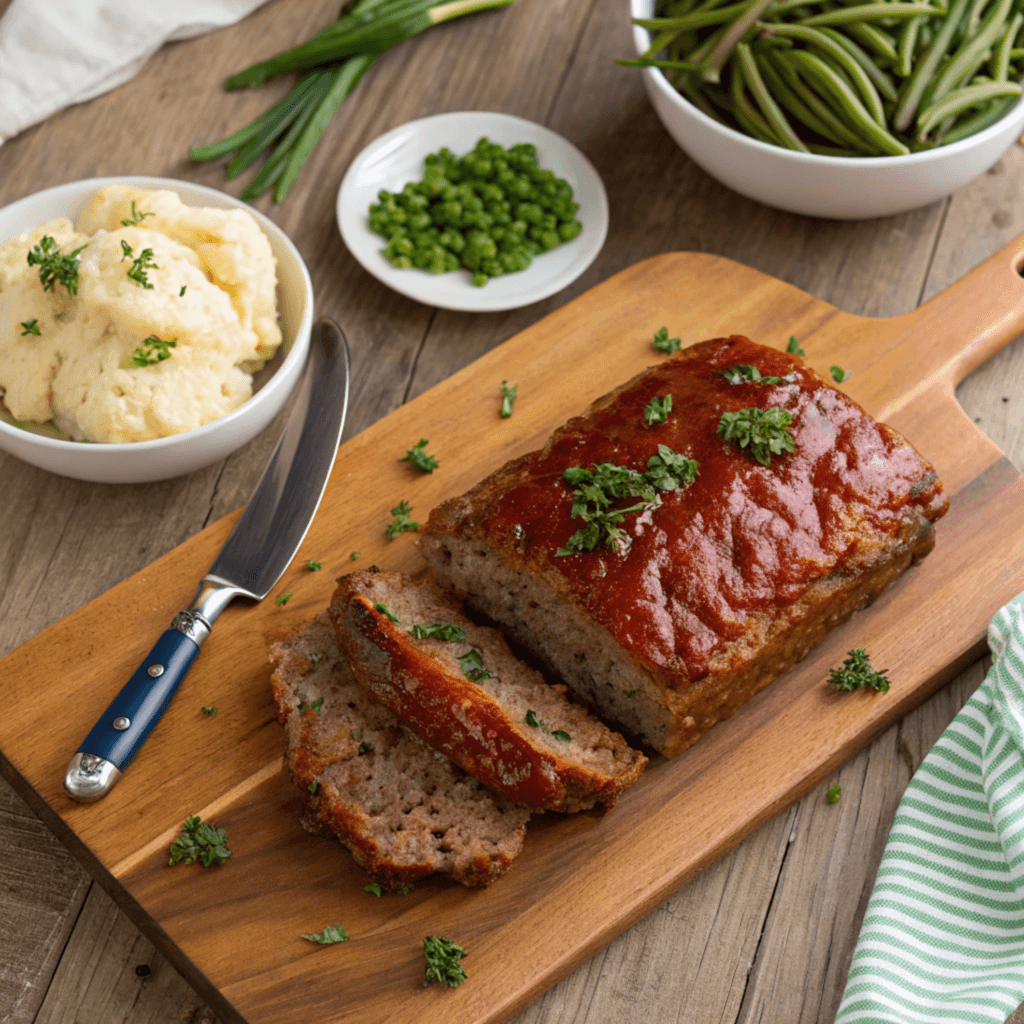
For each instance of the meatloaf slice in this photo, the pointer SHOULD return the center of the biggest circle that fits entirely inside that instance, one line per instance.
(723, 584)
(403, 809)
(471, 698)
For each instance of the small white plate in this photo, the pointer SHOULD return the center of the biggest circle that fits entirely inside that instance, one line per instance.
(397, 157)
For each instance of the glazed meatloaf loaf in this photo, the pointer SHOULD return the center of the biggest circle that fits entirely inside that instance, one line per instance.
(459, 687)
(711, 590)
(403, 809)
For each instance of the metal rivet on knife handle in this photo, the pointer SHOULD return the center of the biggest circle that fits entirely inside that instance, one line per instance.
(122, 723)
(156, 670)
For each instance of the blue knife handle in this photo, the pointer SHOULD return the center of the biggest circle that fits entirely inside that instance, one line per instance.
(134, 712)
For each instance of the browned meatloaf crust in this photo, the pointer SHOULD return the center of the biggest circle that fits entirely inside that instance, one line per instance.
(404, 810)
(499, 720)
(729, 581)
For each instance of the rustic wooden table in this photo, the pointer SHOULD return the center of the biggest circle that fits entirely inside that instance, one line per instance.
(765, 935)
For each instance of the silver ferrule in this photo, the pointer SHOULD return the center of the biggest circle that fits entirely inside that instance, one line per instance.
(89, 777)
(212, 597)
(194, 626)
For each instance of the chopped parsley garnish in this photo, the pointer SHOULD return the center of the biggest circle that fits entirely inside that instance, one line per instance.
(418, 457)
(532, 720)
(182, 292)
(793, 347)
(137, 217)
(374, 888)
(839, 374)
(401, 522)
(314, 707)
(313, 787)
(153, 350)
(365, 747)
(508, 398)
(438, 631)
(405, 890)
(385, 610)
(330, 935)
(561, 734)
(204, 843)
(856, 673)
(596, 490)
(314, 566)
(443, 958)
(210, 711)
(832, 796)
(538, 723)
(142, 263)
(744, 373)
(314, 658)
(657, 410)
(472, 666)
(629, 693)
(663, 343)
(763, 431)
(55, 266)
(30, 327)
(283, 598)
(354, 556)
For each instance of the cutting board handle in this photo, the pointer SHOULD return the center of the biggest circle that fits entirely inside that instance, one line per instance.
(952, 334)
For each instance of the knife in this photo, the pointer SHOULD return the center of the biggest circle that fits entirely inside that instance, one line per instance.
(254, 557)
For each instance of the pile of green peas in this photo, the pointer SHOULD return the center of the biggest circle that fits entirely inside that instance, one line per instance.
(490, 211)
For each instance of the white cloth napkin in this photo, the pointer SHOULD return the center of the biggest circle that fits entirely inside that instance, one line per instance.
(57, 52)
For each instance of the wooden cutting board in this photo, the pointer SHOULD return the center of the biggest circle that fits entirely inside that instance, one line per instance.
(234, 932)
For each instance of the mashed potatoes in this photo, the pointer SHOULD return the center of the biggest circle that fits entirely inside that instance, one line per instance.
(140, 346)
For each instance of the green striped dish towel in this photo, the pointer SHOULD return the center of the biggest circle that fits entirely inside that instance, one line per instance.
(943, 934)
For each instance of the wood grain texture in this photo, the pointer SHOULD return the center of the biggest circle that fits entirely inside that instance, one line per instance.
(560, 72)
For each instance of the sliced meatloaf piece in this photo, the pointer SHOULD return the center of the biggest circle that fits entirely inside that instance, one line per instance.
(404, 810)
(721, 585)
(466, 694)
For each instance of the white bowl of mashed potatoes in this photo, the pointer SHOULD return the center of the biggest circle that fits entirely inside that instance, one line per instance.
(148, 327)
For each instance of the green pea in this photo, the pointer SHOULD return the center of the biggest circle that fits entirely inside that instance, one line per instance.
(479, 280)
(569, 230)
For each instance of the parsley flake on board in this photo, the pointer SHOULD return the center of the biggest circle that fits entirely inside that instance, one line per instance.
(401, 522)
(153, 350)
(200, 842)
(385, 610)
(142, 263)
(418, 457)
(744, 373)
(832, 796)
(354, 556)
(182, 292)
(55, 267)
(283, 598)
(443, 958)
(839, 374)
(211, 711)
(472, 666)
(663, 343)
(30, 327)
(314, 566)
(657, 410)
(793, 347)
(856, 673)
(137, 217)
(330, 935)
(438, 631)
(762, 430)
(374, 888)
(509, 394)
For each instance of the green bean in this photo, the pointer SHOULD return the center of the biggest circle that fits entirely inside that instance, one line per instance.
(960, 67)
(824, 78)
(833, 151)
(906, 46)
(699, 100)
(875, 39)
(715, 60)
(970, 26)
(696, 19)
(1000, 66)
(870, 12)
(782, 6)
(747, 117)
(648, 62)
(978, 121)
(661, 40)
(840, 131)
(919, 80)
(789, 99)
(962, 99)
(859, 77)
(772, 113)
(1017, 52)
(883, 82)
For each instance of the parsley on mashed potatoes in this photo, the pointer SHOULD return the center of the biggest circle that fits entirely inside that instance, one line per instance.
(211, 290)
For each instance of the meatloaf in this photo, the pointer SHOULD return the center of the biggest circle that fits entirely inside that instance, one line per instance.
(717, 587)
(403, 809)
(459, 687)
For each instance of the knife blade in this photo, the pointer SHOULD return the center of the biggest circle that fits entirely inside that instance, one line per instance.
(254, 557)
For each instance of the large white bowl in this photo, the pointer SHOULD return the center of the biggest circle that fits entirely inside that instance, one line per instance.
(847, 188)
(166, 457)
